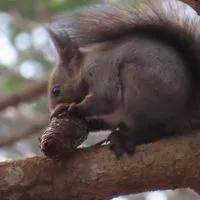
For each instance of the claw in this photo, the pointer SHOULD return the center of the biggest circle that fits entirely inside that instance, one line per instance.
(120, 143)
(74, 110)
(59, 109)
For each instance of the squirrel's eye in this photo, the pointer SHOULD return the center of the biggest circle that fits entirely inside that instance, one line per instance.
(56, 91)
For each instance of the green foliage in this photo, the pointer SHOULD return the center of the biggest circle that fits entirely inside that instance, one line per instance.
(13, 84)
(55, 6)
(39, 8)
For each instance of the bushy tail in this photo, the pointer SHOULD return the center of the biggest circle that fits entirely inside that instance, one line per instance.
(112, 21)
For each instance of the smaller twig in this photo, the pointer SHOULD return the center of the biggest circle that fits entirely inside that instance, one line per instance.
(32, 129)
(27, 94)
(13, 74)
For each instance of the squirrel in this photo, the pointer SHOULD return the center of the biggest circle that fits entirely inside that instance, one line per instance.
(132, 70)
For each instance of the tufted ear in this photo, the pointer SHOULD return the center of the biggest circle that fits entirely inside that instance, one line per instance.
(65, 47)
(56, 39)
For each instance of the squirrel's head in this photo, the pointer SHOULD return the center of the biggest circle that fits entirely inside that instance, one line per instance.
(65, 78)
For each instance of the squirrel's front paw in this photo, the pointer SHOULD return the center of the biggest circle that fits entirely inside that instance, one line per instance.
(120, 143)
(59, 109)
(74, 110)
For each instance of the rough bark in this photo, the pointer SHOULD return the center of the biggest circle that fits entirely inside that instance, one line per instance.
(95, 173)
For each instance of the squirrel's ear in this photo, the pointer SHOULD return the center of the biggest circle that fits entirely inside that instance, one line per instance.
(62, 42)
(56, 39)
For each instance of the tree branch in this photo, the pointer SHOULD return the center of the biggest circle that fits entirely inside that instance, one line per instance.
(95, 173)
(12, 74)
(32, 129)
(27, 94)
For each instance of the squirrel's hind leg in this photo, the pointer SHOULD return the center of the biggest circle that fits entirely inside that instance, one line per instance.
(122, 141)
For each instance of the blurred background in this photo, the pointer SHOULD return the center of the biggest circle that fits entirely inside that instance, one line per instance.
(26, 59)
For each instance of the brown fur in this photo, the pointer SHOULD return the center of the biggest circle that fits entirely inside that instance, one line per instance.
(140, 68)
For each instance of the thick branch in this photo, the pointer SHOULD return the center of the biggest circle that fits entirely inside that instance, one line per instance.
(29, 93)
(95, 173)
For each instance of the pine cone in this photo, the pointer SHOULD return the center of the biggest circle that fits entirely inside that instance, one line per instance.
(63, 135)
